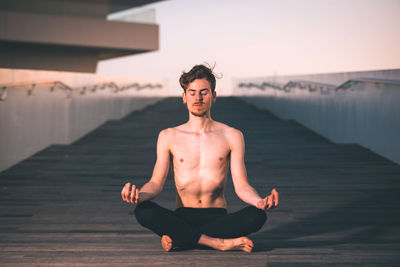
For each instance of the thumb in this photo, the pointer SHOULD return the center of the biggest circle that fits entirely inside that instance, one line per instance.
(262, 203)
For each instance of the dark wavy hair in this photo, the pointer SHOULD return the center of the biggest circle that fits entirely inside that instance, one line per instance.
(198, 72)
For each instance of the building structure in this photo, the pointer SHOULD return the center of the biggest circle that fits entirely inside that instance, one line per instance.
(70, 35)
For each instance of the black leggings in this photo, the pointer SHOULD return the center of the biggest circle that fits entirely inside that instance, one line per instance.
(186, 225)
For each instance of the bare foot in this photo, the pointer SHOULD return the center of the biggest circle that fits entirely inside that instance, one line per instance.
(166, 243)
(241, 243)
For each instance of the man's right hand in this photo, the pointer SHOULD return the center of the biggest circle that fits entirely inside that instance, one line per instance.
(269, 202)
(130, 194)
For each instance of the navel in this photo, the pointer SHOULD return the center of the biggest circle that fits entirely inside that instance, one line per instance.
(199, 201)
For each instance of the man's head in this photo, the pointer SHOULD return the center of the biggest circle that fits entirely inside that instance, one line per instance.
(199, 90)
(198, 72)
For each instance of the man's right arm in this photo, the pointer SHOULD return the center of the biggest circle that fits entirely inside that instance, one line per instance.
(156, 183)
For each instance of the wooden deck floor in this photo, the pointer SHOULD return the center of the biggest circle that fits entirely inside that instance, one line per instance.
(339, 203)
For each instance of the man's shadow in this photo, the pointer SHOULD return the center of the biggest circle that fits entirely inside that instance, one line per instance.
(370, 220)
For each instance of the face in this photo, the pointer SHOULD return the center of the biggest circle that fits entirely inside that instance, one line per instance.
(199, 98)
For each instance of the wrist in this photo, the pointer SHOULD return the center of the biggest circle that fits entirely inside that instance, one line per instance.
(260, 204)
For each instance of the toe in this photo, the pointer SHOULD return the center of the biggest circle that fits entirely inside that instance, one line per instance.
(166, 242)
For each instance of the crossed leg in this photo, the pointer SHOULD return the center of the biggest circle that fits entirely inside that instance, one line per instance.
(227, 232)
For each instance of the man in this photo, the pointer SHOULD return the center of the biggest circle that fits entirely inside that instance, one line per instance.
(200, 151)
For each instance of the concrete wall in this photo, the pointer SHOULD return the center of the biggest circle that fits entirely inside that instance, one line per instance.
(31, 120)
(366, 113)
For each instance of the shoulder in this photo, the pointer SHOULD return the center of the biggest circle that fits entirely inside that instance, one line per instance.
(235, 139)
(167, 131)
(230, 133)
(165, 135)
(172, 130)
(171, 133)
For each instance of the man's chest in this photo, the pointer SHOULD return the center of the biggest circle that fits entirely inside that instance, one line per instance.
(195, 149)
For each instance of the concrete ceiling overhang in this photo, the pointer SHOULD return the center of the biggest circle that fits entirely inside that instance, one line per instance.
(118, 5)
(84, 8)
(70, 35)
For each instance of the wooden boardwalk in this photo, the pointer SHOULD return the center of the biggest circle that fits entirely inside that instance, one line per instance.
(339, 203)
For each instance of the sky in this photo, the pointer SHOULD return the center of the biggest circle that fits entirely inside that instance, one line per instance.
(257, 38)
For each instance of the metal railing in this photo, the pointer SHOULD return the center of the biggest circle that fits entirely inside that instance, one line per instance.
(82, 90)
(350, 83)
(315, 86)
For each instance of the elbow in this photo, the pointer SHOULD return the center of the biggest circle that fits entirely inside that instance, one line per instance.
(158, 190)
(239, 193)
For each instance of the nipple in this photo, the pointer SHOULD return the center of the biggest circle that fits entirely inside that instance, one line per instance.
(181, 160)
(221, 158)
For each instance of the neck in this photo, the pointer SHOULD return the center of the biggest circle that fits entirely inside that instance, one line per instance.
(199, 124)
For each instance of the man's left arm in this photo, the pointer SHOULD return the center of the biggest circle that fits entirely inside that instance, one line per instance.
(239, 176)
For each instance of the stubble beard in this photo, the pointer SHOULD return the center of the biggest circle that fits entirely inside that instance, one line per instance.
(203, 114)
(200, 114)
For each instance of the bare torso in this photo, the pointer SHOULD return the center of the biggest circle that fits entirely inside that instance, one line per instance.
(200, 163)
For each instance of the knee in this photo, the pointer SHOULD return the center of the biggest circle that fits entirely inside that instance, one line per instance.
(144, 212)
(258, 218)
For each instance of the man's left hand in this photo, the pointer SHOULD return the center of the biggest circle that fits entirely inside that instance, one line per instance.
(269, 202)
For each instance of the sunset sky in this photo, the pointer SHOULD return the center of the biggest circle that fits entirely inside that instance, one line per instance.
(267, 37)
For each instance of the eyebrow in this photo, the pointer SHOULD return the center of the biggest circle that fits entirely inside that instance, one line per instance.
(195, 89)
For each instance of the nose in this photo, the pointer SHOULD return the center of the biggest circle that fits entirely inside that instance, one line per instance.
(199, 96)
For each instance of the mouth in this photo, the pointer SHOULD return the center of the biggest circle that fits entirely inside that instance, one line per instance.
(198, 104)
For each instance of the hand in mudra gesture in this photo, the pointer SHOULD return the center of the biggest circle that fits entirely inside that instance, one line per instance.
(130, 194)
(269, 202)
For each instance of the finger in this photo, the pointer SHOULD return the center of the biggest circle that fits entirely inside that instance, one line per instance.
(276, 198)
(273, 199)
(137, 196)
(266, 202)
(125, 191)
(133, 190)
(269, 202)
(251, 243)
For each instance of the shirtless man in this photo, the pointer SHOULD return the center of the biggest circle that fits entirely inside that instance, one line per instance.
(200, 150)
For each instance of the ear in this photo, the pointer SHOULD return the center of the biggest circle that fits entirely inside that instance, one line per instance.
(214, 96)
(184, 97)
